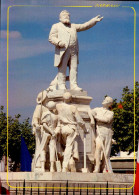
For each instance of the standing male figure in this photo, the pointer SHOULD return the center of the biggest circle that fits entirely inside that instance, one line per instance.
(64, 36)
(68, 118)
(103, 121)
(49, 121)
(44, 123)
(39, 159)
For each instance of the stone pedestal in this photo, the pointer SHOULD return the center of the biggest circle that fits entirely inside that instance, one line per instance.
(82, 101)
(73, 177)
(78, 183)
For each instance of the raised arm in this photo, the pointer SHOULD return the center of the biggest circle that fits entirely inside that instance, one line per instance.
(89, 24)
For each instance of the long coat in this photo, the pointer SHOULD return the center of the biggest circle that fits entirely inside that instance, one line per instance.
(59, 32)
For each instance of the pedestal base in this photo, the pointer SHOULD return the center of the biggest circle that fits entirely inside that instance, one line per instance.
(71, 183)
(72, 177)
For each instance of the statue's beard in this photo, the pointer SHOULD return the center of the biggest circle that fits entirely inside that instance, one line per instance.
(65, 21)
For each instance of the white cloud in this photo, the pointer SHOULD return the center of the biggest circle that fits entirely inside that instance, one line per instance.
(12, 34)
(24, 48)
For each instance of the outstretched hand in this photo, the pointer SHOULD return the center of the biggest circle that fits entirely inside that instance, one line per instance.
(98, 18)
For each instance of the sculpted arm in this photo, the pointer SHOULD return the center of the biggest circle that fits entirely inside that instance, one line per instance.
(89, 24)
(91, 117)
(36, 119)
(36, 116)
(53, 37)
(47, 129)
(58, 128)
(80, 120)
(104, 119)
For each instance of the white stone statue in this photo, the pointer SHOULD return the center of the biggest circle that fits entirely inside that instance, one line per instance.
(49, 121)
(64, 36)
(68, 119)
(44, 124)
(38, 160)
(102, 118)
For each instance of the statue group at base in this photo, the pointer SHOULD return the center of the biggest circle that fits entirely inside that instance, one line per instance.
(57, 120)
(55, 126)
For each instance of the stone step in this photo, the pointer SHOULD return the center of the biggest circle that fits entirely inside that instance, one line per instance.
(76, 182)
(69, 176)
(72, 187)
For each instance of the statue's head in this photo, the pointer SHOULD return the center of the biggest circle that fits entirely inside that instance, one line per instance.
(107, 102)
(67, 97)
(51, 105)
(42, 97)
(64, 17)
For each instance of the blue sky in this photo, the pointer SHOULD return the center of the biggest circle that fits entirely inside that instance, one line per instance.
(105, 59)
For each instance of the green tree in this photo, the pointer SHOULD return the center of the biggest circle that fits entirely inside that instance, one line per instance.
(15, 130)
(26, 130)
(3, 134)
(123, 124)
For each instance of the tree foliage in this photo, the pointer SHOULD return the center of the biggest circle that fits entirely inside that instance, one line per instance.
(15, 130)
(123, 124)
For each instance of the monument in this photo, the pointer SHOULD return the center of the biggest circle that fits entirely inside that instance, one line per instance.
(67, 131)
(73, 141)
(63, 36)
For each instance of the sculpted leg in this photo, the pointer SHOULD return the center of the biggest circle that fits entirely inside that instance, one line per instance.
(62, 70)
(103, 167)
(37, 163)
(53, 84)
(43, 160)
(73, 73)
(52, 167)
(69, 146)
(45, 140)
(52, 152)
(75, 150)
(67, 154)
(98, 155)
(108, 151)
(108, 143)
(72, 165)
